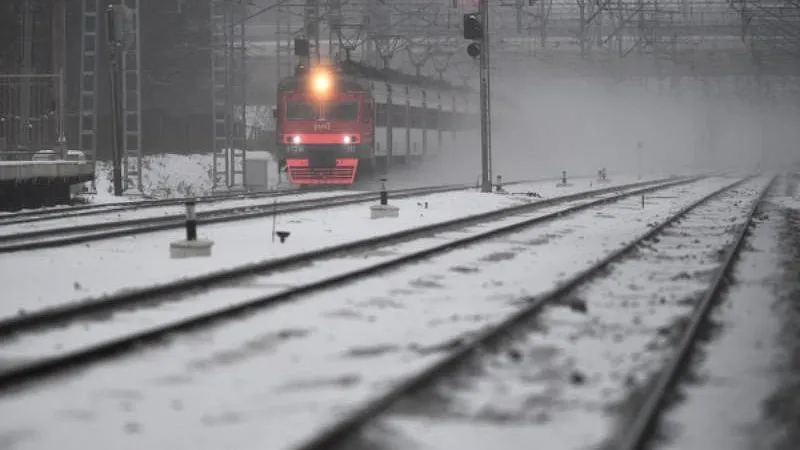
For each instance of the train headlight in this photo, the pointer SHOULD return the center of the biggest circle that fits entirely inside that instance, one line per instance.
(321, 83)
(296, 140)
(347, 140)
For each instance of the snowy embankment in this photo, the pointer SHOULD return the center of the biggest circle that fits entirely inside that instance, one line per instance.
(324, 353)
(170, 176)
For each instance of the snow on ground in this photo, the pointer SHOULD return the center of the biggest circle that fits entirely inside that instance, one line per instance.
(581, 358)
(788, 202)
(79, 334)
(163, 176)
(167, 176)
(92, 269)
(736, 374)
(275, 377)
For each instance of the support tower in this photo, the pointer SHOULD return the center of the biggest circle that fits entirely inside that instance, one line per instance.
(228, 80)
(131, 96)
(87, 138)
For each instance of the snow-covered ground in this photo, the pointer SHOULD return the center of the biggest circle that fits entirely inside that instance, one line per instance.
(167, 176)
(553, 385)
(737, 385)
(276, 376)
(93, 269)
(78, 334)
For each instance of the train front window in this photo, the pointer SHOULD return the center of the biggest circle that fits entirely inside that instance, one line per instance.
(300, 110)
(342, 111)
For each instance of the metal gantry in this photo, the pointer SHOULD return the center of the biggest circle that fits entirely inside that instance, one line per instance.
(350, 31)
(132, 101)
(87, 116)
(228, 78)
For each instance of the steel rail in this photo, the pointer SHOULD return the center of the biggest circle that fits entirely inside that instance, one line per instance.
(644, 422)
(341, 431)
(105, 208)
(222, 215)
(49, 238)
(30, 370)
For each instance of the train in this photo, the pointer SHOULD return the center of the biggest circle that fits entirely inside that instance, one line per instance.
(336, 124)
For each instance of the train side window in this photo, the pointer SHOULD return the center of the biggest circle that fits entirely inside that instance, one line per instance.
(380, 117)
(445, 122)
(432, 121)
(398, 116)
(416, 120)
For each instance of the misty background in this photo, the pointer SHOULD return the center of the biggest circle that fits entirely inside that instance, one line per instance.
(678, 84)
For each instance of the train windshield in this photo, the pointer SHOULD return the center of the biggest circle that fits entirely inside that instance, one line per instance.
(301, 110)
(343, 110)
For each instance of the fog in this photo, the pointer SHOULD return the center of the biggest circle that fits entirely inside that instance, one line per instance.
(543, 125)
(546, 119)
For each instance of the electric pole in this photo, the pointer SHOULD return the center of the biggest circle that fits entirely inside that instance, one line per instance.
(117, 134)
(486, 150)
(476, 29)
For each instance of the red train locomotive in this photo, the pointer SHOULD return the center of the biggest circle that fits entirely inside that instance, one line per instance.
(334, 126)
(325, 126)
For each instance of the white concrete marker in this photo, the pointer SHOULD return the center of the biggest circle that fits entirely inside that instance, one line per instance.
(384, 210)
(563, 180)
(191, 246)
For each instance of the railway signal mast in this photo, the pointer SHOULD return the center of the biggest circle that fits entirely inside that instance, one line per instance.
(476, 29)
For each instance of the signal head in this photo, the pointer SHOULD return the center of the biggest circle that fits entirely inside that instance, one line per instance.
(301, 47)
(473, 27)
(474, 50)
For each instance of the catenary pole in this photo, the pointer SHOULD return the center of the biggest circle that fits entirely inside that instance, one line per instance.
(486, 144)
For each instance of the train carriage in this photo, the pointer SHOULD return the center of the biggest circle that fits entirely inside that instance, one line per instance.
(334, 126)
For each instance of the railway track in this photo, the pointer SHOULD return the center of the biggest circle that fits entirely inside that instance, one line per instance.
(420, 387)
(57, 236)
(37, 215)
(37, 340)
(640, 428)
(81, 211)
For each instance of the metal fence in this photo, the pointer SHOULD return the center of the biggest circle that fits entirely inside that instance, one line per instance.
(31, 114)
